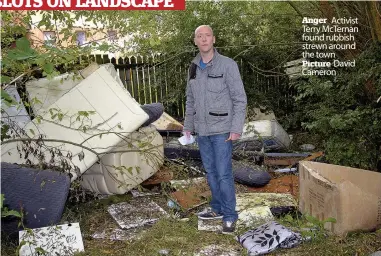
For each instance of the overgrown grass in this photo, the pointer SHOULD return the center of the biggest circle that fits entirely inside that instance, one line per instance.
(183, 238)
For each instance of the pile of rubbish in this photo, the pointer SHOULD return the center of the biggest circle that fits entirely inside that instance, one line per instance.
(118, 146)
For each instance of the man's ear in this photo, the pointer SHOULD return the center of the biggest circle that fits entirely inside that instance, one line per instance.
(194, 40)
(214, 39)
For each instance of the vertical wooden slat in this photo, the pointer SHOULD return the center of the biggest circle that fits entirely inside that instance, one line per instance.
(149, 79)
(137, 78)
(161, 78)
(154, 76)
(123, 75)
(133, 84)
(143, 85)
(165, 81)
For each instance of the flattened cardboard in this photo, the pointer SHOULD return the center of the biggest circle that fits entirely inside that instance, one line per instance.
(191, 197)
(162, 175)
(349, 195)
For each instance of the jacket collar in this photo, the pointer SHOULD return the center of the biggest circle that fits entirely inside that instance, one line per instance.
(197, 59)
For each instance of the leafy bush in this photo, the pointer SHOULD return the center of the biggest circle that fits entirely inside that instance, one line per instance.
(345, 112)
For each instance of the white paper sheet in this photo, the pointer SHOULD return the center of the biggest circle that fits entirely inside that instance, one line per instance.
(185, 141)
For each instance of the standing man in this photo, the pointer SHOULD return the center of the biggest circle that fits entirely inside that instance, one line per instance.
(215, 110)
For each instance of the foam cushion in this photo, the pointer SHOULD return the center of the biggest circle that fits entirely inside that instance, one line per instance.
(41, 194)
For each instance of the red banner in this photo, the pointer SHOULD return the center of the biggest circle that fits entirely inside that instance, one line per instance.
(92, 4)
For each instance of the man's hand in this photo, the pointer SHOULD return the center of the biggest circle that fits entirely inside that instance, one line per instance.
(233, 136)
(187, 134)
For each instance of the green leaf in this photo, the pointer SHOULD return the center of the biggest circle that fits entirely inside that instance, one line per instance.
(11, 213)
(312, 219)
(40, 250)
(38, 119)
(48, 68)
(32, 132)
(23, 44)
(22, 51)
(9, 100)
(2, 198)
(4, 132)
(330, 219)
(23, 242)
(288, 218)
(5, 79)
(35, 101)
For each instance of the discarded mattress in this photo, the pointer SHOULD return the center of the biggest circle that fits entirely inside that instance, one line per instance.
(121, 172)
(161, 121)
(113, 111)
(49, 91)
(42, 93)
(42, 195)
(272, 134)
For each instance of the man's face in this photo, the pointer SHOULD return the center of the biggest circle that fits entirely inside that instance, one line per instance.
(204, 39)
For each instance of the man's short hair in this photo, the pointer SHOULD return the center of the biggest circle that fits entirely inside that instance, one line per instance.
(195, 32)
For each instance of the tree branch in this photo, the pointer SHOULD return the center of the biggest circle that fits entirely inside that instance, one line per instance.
(77, 144)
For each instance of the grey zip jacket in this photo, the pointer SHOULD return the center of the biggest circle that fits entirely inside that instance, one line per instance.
(216, 99)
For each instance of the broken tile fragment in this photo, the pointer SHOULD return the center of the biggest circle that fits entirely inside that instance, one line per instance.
(136, 213)
(254, 208)
(248, 200)
(254, 216)
(210, 225)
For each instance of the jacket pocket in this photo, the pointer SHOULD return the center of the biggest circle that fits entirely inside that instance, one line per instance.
(219, 120)
(216, 83)
(218, 114)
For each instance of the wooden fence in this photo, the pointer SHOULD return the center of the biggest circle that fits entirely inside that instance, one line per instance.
(156, 79)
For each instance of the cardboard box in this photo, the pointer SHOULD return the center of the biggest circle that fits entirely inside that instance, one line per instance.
(349, 195)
